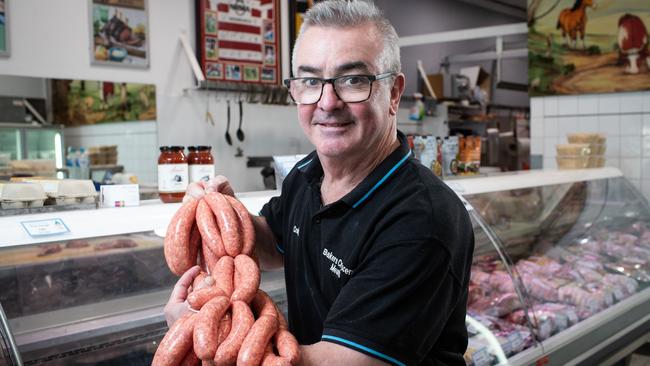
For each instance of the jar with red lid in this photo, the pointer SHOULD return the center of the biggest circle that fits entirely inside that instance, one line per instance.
(172, 173)
(201, 164)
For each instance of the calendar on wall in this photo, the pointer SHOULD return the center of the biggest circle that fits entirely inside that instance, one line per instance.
(239, 40)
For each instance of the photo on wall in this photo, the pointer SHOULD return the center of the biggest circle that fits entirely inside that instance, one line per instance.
(4, 28)
(588, 46)
(119, 33)
(89, 102)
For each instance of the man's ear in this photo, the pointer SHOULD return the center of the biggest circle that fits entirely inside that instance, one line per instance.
(396, 93)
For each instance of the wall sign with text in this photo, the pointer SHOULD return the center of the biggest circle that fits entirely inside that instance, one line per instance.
(239, 40)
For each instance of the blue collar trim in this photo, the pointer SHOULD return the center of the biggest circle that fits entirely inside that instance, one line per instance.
(382, 180)
(305, 163)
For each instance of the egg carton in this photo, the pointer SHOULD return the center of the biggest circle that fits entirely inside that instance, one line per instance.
(22, 195)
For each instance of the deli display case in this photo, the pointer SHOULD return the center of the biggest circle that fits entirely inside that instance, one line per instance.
(560, 275)
(561, 268)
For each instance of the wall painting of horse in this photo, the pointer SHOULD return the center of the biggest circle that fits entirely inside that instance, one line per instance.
(588, 46)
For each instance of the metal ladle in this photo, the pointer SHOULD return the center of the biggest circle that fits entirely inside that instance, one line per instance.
(240, 132)
(228, 138)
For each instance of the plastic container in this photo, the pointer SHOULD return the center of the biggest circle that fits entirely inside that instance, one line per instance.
(172, 174)
(71, 191)
(572, 161)
(22, 195)
(201, 164)
(572, 149)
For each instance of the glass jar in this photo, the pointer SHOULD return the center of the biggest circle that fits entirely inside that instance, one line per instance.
(201, 164)
(172, 174)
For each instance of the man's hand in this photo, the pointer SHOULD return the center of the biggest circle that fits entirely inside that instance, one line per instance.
(322, 353)
(177, 304)
(217, 184)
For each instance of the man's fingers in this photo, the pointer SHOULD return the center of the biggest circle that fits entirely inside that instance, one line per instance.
(220, 184)
(194, 190)
(179, 294)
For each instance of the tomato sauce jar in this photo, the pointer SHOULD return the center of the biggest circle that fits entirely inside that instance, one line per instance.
(172, 174)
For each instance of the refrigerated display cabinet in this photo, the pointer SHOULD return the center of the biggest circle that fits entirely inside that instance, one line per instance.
(95, 293)
(560, 274)
(561, 268)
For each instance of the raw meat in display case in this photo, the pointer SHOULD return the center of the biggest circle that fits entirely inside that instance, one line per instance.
(582, 248)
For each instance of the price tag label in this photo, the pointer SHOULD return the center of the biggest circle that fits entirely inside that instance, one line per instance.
(49, 227)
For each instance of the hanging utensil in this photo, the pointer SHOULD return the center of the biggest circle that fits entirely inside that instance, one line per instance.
(240, 132)
(228, 138)
(208, 115)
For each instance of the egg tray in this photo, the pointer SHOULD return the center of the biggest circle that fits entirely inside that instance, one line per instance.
(47, 208)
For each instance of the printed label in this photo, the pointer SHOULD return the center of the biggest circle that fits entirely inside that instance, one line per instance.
(172, 177)
(45, 227)
(201, 172)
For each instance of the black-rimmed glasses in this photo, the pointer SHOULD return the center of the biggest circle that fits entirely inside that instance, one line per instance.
(348, 88)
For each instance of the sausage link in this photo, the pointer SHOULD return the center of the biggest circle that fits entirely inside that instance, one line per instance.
(263, 305)
(209, 258)
(190, 359)
(227, 222)
(207, 327)
(252, 350)
(283, 321)
(176, 343)
(198, 298)
(224, 327)
(223, 273)
(195, 242)
(287, 346)
(246, 222)
(200, 282)
(180, 252)
(273, 360)
(207, 224)
(242, 321)
(247, 279)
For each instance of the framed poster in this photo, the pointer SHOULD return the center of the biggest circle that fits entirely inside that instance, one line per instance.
(239, 41)
(120, 33)
(89, 102)
(576, 47)
(4, 27)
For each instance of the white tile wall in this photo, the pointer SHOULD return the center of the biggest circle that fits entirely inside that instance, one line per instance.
(137, 145)
(623, 117)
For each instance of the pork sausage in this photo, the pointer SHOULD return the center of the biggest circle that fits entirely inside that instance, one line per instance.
(242, 321)
(198, 298)
(176, 343)
(248, 230)
(247, 279)
(252, 350)
(227, 222)
(223, 273)
(224, 327)
(180, 251)
(207, 327)
(263, 304)
(207, 224)
(190, 359)
(287, 346)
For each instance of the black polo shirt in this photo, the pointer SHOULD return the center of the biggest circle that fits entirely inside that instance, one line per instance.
(385, 269)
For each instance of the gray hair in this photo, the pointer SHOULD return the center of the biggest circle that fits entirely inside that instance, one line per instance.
(350, 13)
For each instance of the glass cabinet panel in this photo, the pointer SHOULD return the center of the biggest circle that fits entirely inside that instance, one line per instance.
(577, 248)
(10, 145)
(41, 143)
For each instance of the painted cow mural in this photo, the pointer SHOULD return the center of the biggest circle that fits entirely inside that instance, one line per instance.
(633, 43)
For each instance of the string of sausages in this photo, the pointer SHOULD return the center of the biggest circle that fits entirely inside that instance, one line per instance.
(232, 321)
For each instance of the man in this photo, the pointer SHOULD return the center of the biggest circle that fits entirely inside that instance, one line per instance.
(376, 250)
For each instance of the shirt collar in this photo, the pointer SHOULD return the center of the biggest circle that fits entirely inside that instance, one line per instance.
(313, 171)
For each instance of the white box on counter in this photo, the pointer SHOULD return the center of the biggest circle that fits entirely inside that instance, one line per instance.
(120, 195)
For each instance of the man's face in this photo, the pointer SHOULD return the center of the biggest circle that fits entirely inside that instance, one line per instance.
(336, 128)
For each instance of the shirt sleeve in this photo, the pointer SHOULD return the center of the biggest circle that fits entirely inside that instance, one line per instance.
(272, 212)
(397, 302)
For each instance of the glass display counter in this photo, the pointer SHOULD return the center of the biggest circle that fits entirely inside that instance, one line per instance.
(560, 275)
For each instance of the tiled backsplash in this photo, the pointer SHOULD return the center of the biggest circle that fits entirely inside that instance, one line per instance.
(623, 117)
(137, 145)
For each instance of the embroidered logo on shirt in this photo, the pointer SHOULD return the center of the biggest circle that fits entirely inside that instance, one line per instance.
(337, 267)
(296, 230)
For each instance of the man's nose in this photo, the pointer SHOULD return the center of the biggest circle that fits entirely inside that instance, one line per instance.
(329, 100)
